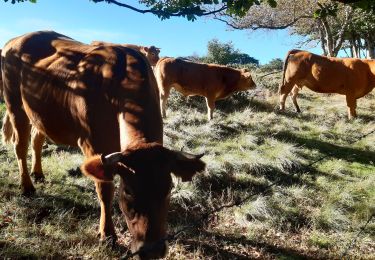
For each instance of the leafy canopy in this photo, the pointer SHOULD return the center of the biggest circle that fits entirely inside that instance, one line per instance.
(225, 53)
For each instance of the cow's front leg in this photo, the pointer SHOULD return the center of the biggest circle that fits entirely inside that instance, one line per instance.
(210, 107)
(351, 103)
(105, 191)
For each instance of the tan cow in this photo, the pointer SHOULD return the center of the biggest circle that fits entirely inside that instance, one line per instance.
(351, 77)
(151, 53)
(214, 82)
(102, 99)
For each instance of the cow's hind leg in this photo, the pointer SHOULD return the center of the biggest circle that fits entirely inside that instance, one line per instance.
(295, 91)
(284, 92)
(351, 103)
(164, 94)
(105, 191)
(21, 134)
(37, 140)
(210, 107)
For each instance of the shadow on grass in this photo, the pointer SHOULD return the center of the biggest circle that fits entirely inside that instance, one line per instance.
(339, 152)
(366, 118)
(10, 251)
(50, 148)
(215, 246)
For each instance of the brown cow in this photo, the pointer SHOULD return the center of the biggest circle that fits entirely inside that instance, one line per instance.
(102, 99)
(214, 82)
(351, 77)
(151, 53)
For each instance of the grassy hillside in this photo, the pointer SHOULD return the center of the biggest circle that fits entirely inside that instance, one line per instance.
(314, 211)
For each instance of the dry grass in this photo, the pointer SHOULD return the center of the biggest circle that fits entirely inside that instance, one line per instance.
(313, 211)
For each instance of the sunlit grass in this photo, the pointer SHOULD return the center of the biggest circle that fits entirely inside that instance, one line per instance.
(313, 210)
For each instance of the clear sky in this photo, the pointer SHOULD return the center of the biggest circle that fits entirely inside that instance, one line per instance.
(86, 21)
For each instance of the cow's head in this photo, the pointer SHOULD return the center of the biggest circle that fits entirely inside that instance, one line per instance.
(246, 81)
(146, 183)
(152, 54)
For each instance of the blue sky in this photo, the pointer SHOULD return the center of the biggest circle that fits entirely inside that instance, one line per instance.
(86, 21)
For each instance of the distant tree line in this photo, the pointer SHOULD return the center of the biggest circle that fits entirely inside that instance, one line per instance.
(226, 54)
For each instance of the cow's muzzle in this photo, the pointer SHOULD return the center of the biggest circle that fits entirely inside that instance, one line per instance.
(150, 250)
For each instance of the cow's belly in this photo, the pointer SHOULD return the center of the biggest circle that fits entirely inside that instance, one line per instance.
(52, 119)
(54, 126)
(322, 86)
(187, 91)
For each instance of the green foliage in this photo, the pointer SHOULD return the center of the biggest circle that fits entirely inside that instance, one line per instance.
(325, 10)
(366, 5)
(274, 64)
(225, 53)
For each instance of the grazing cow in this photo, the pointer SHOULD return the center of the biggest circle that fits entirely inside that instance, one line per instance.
(351, 77)
(151, 53)
(214, 82)
(102, 99)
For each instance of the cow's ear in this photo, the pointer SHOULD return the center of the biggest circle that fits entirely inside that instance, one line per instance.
(186, 165)
(94, 168)
(145, 49)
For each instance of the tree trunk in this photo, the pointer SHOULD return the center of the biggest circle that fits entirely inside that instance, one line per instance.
(328, 38)
(370, 47)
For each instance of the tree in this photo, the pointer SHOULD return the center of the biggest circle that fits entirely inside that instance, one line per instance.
(224, 53)
(274, 64)
(360, 34)
(321, 21)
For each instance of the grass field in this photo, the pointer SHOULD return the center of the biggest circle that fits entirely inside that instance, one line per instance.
(313, 211)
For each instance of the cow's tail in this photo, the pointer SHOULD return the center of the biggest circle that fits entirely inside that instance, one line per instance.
(291, 52)
(7, 130)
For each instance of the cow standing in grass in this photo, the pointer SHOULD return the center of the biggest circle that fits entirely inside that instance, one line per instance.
(214, 82)
(351, 77)
(104, 100)
(151, 53)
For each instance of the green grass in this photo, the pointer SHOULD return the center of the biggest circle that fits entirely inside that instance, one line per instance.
(314, 211)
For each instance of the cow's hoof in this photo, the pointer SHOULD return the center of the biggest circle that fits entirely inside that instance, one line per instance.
(28, 192)
(38, 177)
(110, 241)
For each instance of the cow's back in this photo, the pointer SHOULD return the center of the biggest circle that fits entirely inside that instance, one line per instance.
(73, 92)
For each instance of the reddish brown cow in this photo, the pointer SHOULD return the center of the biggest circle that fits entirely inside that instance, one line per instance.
(211, 81)
(104, 100)
(351, 77)
(151, 53)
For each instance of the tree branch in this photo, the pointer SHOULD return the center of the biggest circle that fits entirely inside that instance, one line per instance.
(263, 26)
(195, 10)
